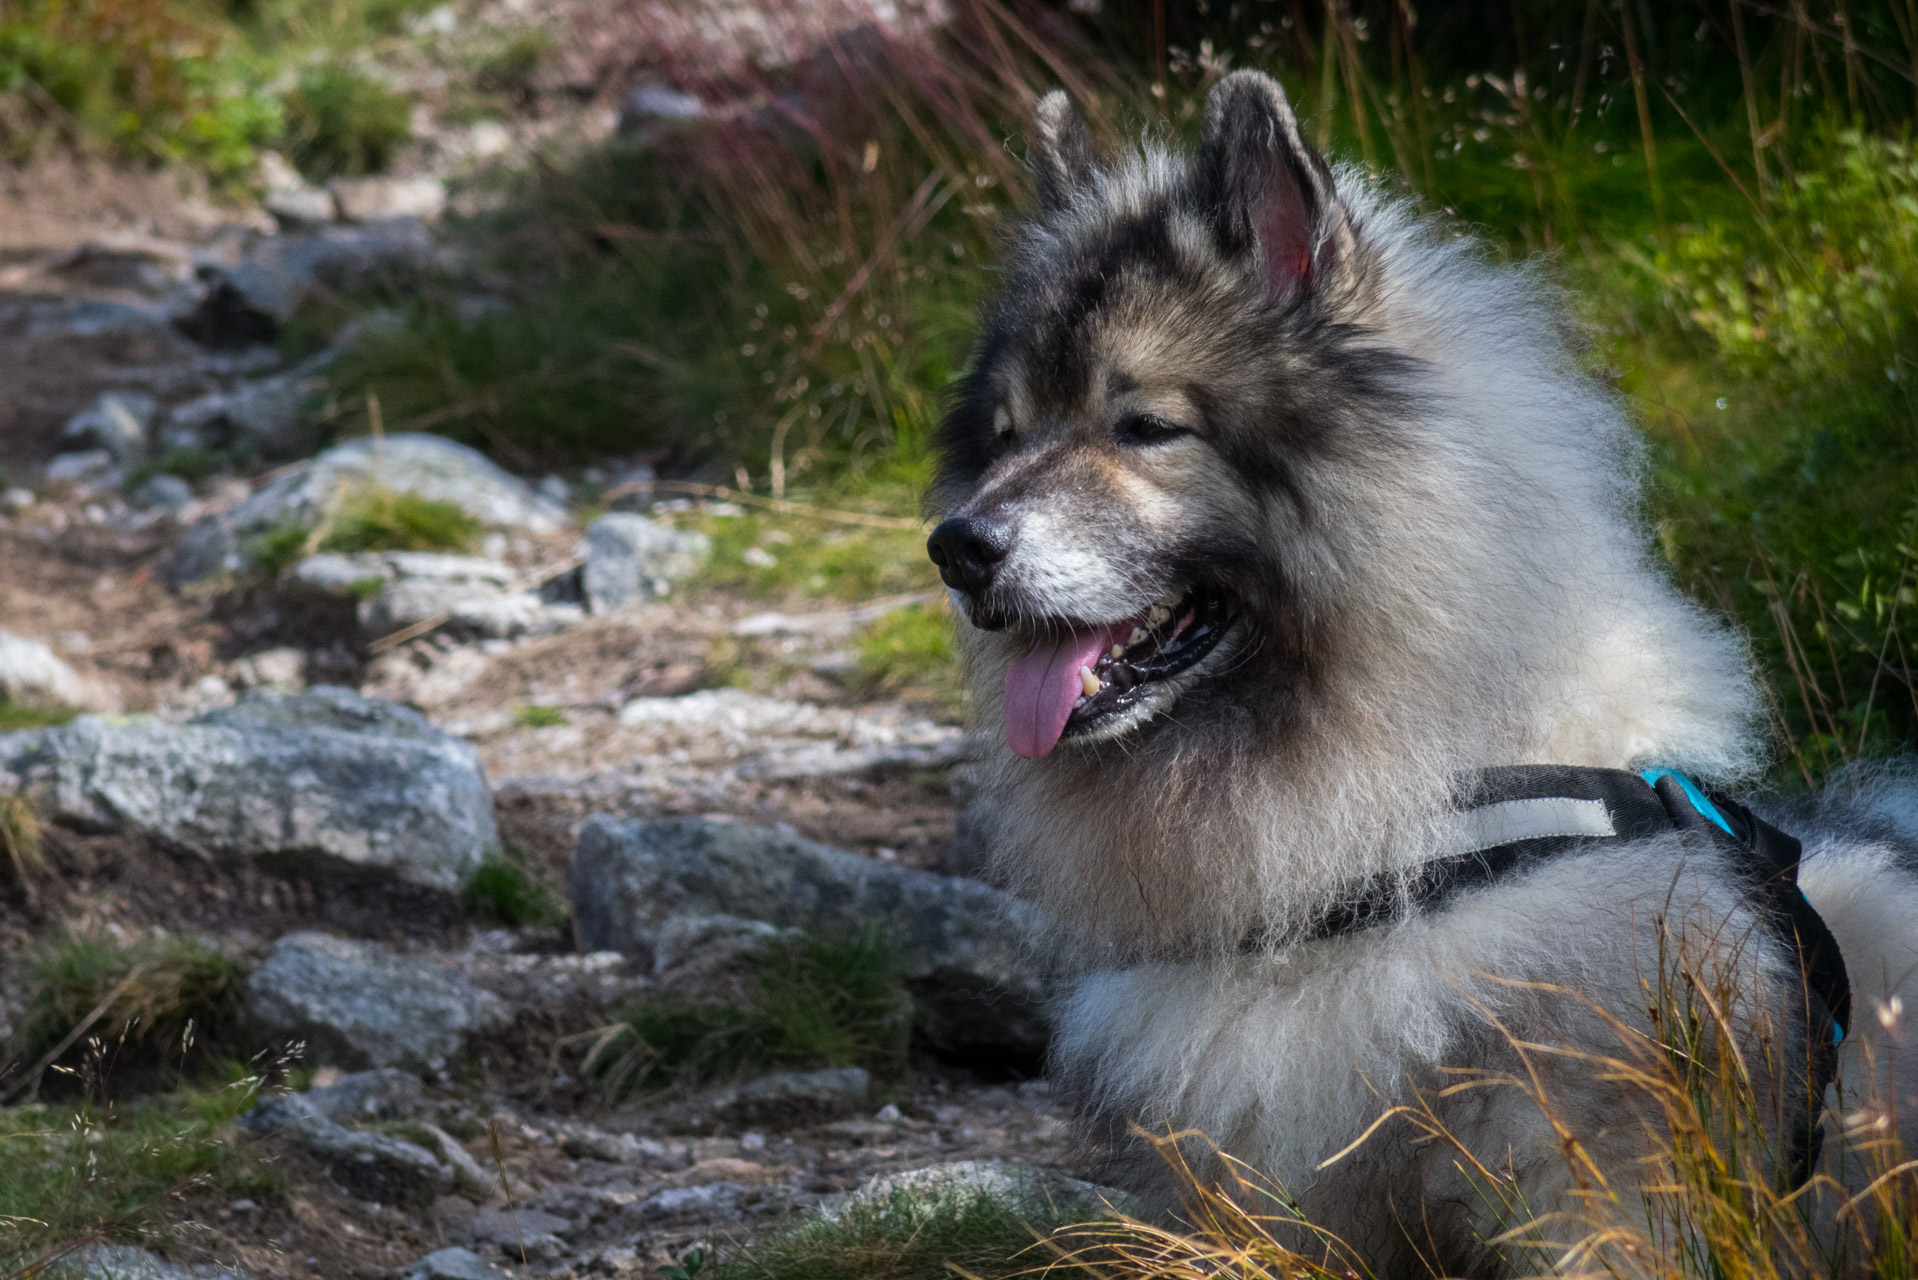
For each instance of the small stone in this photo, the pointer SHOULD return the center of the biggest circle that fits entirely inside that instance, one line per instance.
(454, 1264)
(380, 198)
(374, 1166)
(628, 556)
(163, 492)
(73, 468)
(752, 1141)
(282, 668)
(116, 421)
(385, 1093)
(888, 1114)
(32, 673)
(790, 1098)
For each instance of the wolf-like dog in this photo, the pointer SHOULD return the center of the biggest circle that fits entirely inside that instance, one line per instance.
(1274, 508)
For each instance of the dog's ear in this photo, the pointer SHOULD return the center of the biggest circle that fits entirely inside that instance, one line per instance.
(1062, 155)
(1264, 189)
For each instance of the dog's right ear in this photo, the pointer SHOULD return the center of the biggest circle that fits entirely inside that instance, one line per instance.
(1062, 155)
(1265, 189)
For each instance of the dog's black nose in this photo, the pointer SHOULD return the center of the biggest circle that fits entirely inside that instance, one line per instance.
(968, 550)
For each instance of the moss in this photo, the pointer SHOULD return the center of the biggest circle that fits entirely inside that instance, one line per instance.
(508, 889)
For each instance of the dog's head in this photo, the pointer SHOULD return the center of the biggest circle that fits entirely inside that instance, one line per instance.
(1128, 471)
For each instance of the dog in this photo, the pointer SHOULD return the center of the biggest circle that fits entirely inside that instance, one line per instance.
(1274, 509)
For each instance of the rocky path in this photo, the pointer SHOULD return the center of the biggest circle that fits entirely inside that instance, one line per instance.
(306, 763)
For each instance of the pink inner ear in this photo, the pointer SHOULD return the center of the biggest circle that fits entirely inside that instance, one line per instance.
(1283, 225)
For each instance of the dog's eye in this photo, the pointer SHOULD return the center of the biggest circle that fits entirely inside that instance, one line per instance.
(1145, 428)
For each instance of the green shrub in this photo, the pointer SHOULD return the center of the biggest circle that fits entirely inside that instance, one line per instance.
(509, 890)
(535, 716)
(340, 121)
(815, 1002)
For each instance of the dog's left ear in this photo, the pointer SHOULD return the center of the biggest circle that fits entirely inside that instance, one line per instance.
(1265, 190)
(1062, 154)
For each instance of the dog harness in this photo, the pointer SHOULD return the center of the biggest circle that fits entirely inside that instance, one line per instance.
(1510, 820)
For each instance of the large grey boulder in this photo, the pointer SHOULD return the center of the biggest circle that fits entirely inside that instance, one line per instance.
(399, 588)
(967, 948)
(630, 558)
(356, 1004)
(951, 1188)
(373, 1166)
(267, 416)
(324, 779)
(280, 272)
(428, 466)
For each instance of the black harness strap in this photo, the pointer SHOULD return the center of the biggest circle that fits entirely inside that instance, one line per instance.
(1639, 806)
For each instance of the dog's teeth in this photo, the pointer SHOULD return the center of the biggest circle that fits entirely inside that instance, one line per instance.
(1169, 599)
(1088, 682)
(1138, 636)
(1118, 651)
(1155, 616)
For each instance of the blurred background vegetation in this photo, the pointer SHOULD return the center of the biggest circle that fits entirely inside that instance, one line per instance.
(775, 292)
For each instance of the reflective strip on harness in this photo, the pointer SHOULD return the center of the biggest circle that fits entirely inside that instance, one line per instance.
(1509, 821)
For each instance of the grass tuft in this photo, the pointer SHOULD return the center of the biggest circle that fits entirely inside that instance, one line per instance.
(508, 889)
(342, 122)
(368, 518)
(18, 716)
(535, 716)
(815, 1002)
(25, 858)
(910, 1235)
(155, 1006)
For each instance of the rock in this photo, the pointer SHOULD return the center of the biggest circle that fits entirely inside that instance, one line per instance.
(325, 779)
(540, 1234)
(357, 1004)
(1040, 1192)
(127, 1262)
(377, 199)
(86, 465)
(656, 101)
(400, 588)
(163, 492)
(266, 416)
(288, 196)
(34, 674)
(790, 1098)
(384, 1093)
(116, 421)
(712, 940)
(279, 272)
(711, 1200)
(429, 466)
(283, 669)
(630, 558)
(453, 1264)
(373, 1166)
(966, 947)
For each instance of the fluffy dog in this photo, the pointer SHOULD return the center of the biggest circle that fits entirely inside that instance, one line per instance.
(1276, 510)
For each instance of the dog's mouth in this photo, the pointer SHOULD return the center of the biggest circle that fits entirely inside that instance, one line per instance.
(1079, 679)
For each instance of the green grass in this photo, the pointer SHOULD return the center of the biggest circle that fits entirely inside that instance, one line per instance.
(372, 518)
(343, 122)
(113, 1172)
(909, 652)
(509, 890)
(535, 716)
(816, 1002)
(815, 558)
(164, 1005)
(17, 716)
(910, 1235)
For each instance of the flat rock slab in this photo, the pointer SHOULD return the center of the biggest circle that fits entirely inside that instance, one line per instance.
(357, 1004)
(325, 776)
(966, 947)
(426, 466)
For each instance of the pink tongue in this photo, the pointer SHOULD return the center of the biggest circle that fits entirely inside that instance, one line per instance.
(1042, 686)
